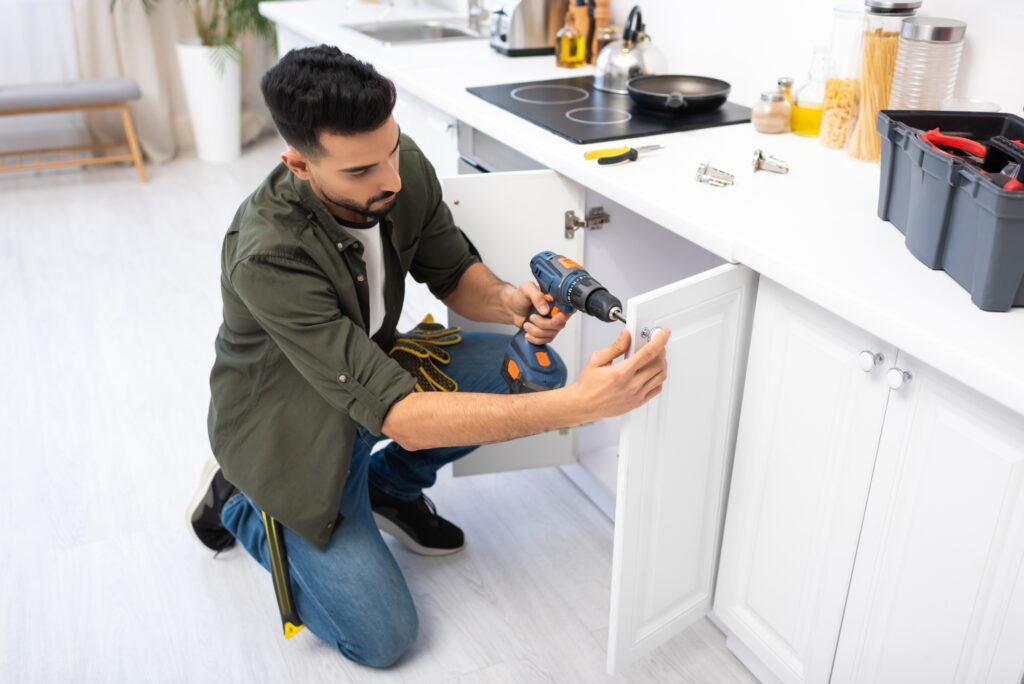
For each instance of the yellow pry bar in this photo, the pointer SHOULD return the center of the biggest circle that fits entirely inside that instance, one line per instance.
(280, 576)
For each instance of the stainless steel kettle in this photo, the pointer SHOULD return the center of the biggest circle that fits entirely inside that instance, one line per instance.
(628, 58)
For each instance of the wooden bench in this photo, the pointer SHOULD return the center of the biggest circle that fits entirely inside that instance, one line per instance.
(72, 96)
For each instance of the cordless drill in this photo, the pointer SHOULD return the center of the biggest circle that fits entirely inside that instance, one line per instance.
(529, 367)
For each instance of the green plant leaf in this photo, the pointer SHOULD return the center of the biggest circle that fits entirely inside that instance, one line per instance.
(222, 53)
(220, 23)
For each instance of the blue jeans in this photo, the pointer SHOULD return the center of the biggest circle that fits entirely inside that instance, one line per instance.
(352, 594)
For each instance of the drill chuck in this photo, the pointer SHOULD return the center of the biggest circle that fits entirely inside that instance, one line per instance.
(582, 292)
(603, 305)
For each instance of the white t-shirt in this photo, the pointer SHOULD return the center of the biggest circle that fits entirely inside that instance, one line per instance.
(373, 256)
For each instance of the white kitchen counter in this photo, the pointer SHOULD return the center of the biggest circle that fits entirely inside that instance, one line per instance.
(815, 230)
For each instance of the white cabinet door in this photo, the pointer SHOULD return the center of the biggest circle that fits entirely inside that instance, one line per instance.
(674, 459)
(808, 434)
(937, 593)
(433, 130)
(510, 217)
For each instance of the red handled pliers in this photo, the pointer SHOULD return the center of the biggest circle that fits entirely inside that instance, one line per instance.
(971, 151)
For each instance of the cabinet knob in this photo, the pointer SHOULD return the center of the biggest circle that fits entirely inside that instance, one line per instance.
(897, 378)
(869, 359)
(649, 333)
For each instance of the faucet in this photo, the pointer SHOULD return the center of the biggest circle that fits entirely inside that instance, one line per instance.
(388, 9)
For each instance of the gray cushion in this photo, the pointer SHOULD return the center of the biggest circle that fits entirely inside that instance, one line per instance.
(69, 93)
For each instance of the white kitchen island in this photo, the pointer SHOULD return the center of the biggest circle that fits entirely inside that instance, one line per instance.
(868, 417)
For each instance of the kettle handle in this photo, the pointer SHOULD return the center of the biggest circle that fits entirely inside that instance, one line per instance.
(630, 33)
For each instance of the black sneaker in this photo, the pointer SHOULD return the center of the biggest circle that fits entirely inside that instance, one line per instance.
(415, 523)
(203, 513)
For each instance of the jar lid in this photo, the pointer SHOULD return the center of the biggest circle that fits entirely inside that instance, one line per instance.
(892, 7)
(933, 29)
(786, 82)
(773, 96)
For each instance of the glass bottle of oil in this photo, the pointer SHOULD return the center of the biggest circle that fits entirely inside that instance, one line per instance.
(570, 44)
(809, 99)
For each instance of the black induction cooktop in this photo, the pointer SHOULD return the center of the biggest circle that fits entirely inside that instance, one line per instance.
(574, 109)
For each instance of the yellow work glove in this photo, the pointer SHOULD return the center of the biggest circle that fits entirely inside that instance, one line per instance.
(421, 349)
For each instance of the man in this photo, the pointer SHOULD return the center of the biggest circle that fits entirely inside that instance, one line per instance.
(303, 385)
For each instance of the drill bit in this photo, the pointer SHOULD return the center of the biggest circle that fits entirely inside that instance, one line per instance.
(616, 313)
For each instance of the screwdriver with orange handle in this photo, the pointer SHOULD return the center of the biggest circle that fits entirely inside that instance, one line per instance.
(529, 367)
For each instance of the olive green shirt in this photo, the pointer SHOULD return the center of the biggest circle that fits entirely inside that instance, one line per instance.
(296, 372)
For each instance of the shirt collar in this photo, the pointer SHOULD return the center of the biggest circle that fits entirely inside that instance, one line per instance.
(318, 210)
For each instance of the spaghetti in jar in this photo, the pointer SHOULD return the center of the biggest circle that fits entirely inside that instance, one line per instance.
(879, 46)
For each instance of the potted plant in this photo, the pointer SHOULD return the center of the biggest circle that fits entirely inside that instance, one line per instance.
(211, 68)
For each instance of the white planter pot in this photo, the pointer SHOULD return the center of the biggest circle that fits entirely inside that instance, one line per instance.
(214, 93)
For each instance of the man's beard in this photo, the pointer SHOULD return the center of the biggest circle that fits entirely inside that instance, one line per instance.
(363, 209)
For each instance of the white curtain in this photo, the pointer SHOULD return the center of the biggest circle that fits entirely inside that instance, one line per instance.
(132, 43)
(37, 45)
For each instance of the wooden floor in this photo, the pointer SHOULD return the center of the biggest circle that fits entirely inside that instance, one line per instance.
(109, 304)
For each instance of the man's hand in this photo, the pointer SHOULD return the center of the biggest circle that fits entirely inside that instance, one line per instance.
(607, 390)
(426, 420)
(539, 329)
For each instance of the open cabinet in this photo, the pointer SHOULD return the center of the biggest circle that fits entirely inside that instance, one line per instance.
(510, 217)
(674, 453)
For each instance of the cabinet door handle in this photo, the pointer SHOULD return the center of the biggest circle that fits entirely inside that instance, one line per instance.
(648, 333)
(897, 378)
(869, 359)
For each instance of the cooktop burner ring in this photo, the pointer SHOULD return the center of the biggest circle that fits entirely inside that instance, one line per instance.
(574, 115)
(570, 94)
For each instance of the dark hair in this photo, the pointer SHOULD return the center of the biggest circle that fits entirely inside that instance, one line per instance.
(321, 89)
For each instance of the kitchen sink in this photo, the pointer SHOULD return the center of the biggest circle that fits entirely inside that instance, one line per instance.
(416, 31)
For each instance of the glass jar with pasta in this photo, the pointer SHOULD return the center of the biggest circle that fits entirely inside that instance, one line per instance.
(879, 45)
(841, 78)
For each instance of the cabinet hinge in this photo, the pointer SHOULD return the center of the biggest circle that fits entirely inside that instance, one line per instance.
(596, 218)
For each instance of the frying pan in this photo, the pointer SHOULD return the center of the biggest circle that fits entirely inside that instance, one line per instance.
(678, 94)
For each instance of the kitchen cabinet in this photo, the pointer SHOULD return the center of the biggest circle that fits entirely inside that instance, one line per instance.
(288, 40)
(937, 593)
(433, 130)
(873, 534)
(674, 460)
(632, 255)
(875, 526)
(510, 217)
(811, 419)
(674, 453)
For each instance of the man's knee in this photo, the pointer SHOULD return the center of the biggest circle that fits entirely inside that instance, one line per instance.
(385, 637)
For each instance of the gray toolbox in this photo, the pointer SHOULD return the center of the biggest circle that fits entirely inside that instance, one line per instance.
(951, 205)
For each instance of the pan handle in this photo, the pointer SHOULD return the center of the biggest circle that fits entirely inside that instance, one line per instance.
(675, 101)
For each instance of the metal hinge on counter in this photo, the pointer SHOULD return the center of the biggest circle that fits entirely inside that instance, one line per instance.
(596, 218)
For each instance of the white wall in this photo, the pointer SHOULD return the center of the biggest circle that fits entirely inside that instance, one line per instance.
(750, 43)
